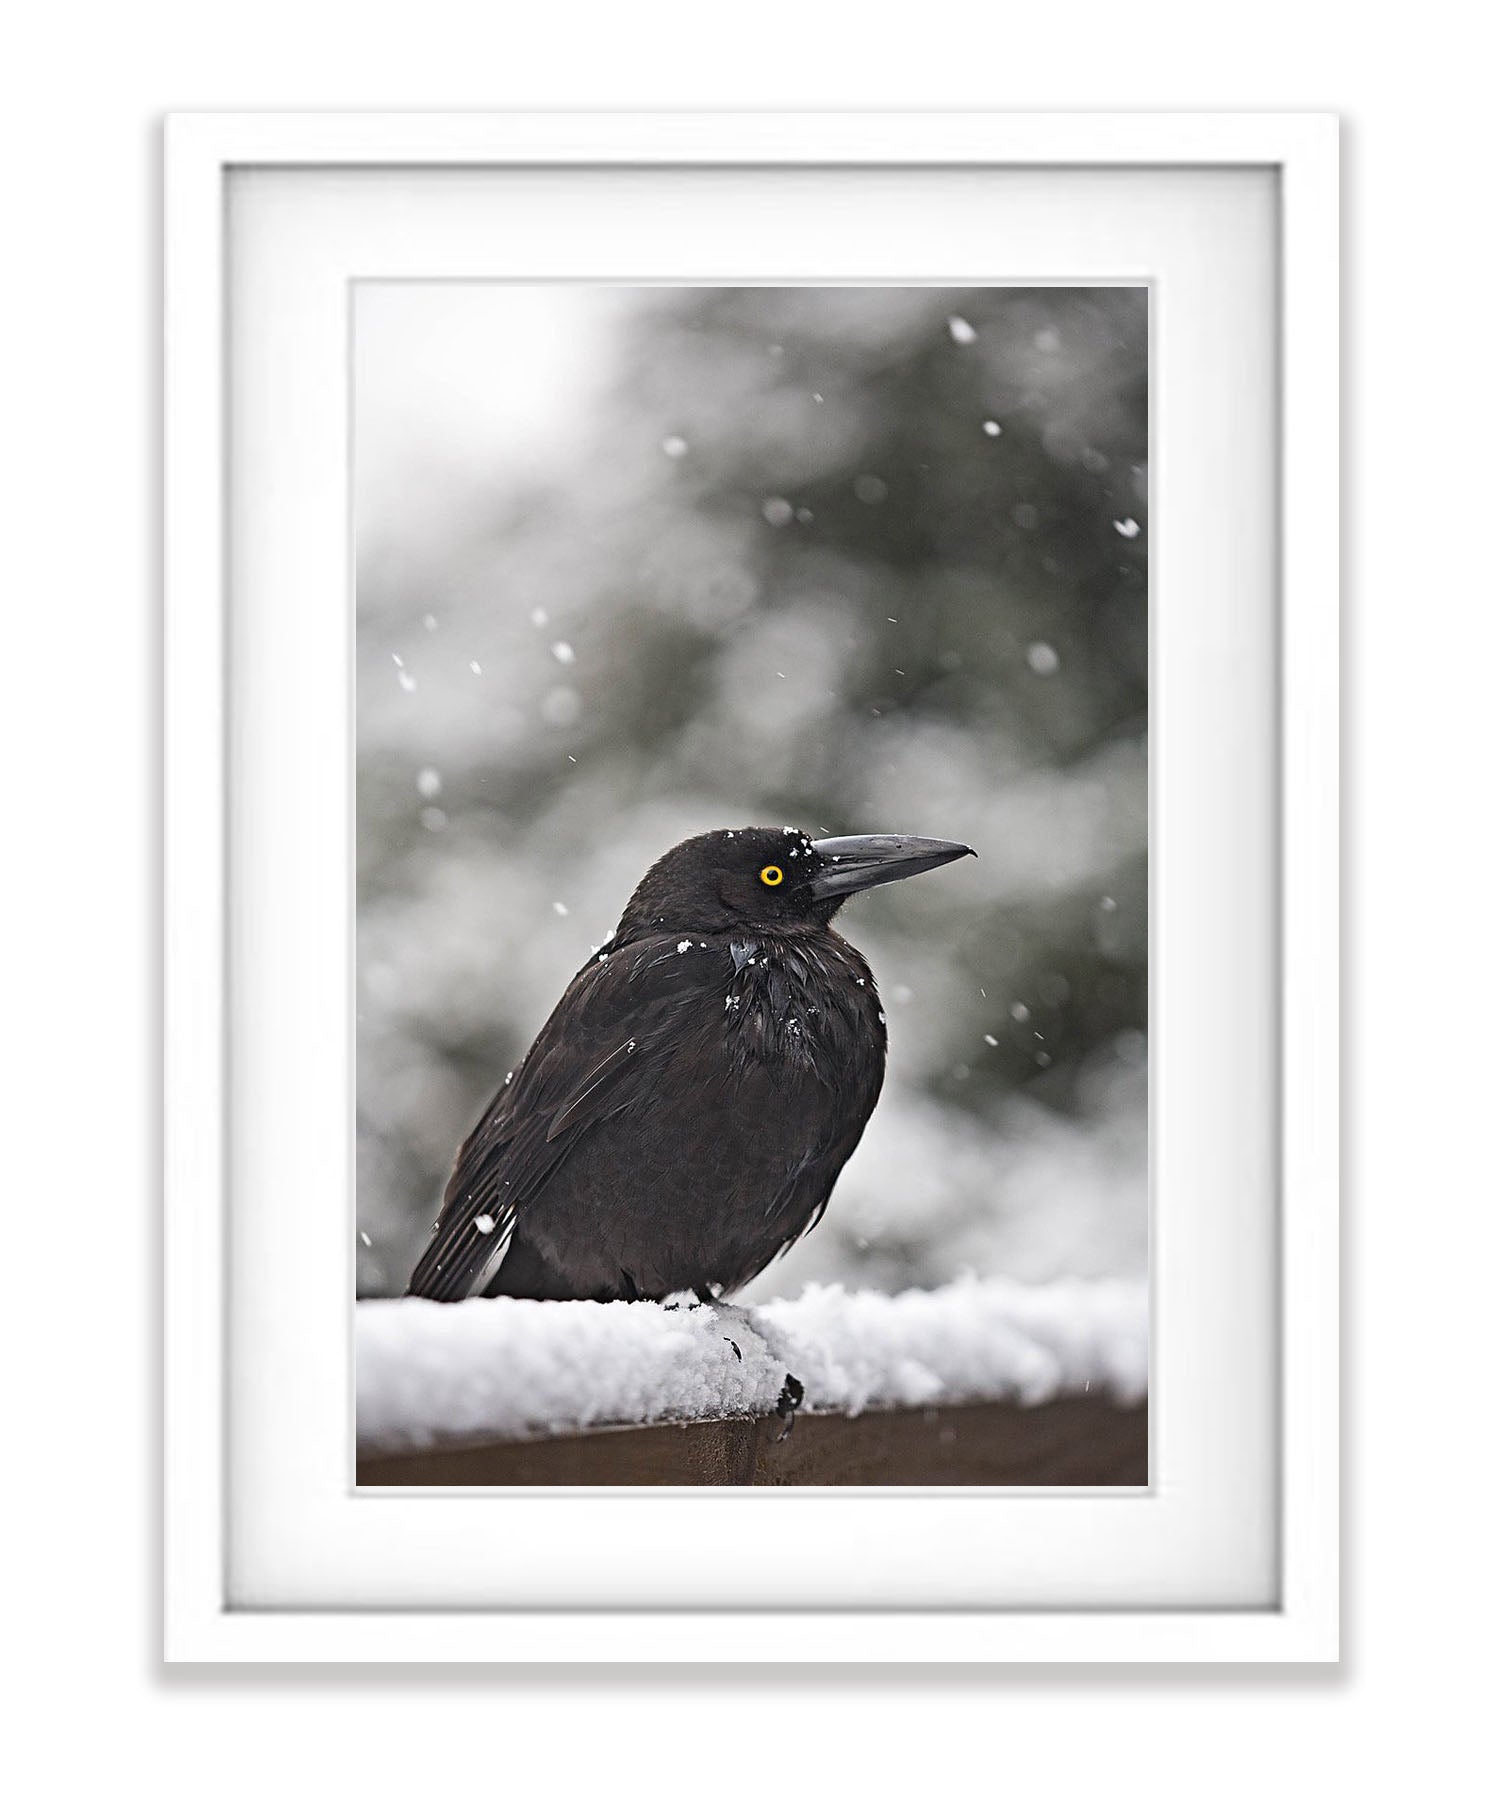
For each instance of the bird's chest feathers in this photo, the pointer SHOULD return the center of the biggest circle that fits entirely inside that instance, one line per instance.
(800, 1008)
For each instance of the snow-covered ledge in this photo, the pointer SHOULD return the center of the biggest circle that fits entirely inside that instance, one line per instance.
(428, 1374)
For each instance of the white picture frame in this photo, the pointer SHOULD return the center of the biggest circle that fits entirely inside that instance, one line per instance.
(235, 1588)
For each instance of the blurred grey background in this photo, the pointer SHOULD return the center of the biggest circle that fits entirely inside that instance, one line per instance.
(638, 563)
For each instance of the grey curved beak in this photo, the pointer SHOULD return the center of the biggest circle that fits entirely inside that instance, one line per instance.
(851, 864)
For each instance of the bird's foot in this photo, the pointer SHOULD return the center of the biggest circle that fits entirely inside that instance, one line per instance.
(787, 1403)
(690, 1299)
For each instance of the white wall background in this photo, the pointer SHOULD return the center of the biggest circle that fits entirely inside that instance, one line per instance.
(81, 88)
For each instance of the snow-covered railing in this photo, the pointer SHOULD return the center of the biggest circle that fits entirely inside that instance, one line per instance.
(502, 1390)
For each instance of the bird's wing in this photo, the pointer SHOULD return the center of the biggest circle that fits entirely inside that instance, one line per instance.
(599, 1053)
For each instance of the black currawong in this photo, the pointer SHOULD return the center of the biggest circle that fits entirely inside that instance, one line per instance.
(683, 1115)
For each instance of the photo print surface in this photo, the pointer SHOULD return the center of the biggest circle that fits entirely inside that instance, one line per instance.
(636, 566)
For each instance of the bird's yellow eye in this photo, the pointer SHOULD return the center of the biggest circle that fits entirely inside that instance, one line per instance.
(771, 875)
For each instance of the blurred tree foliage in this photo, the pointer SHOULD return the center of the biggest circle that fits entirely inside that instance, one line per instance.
(855, 559)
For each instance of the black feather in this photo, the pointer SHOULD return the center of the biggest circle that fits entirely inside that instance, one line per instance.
(684, 1113)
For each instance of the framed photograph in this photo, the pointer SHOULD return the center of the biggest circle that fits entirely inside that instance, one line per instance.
(752, 888)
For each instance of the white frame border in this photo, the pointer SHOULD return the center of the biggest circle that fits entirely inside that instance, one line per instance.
(202, 149)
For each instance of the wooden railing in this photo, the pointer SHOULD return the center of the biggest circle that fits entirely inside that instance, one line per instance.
(1081, 1440)
(979, 1384)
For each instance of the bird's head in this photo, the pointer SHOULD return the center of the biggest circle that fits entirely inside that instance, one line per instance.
(763, 876)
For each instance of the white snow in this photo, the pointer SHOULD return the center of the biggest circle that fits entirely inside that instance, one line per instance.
(429, 783)
(564, 652)
(992, 428)
(674, 446)
(429, 1373)
(1042, 658)
(1127, 528)
(961, 331)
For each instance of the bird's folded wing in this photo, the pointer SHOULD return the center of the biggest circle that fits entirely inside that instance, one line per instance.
(598, 1054)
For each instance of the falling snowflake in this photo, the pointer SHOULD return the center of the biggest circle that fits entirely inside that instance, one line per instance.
(961, 331)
